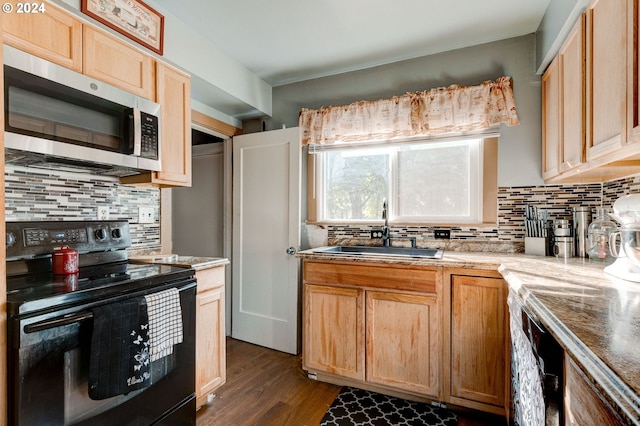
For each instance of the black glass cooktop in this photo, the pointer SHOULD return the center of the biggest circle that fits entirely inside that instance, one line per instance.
(45, 291)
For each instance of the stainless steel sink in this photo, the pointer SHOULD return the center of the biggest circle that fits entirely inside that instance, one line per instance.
(382, 251)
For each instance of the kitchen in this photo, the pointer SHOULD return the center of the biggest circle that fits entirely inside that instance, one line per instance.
(518, 179)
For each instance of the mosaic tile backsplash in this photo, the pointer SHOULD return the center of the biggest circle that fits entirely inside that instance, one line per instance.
(508, 234)
(33, 195)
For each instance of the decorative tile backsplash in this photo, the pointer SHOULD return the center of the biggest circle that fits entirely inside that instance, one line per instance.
(35, 195)
(508, 234)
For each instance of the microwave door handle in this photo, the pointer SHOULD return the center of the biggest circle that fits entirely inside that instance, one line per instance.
(137, 132)
(57, 322)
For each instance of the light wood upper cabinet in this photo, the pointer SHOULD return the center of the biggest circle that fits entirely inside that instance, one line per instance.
(572, 98)
(174, 97)
(402, 341)
(633, 75)
(551, 124)
(563, 106)
(59, 37)
(54, 35)
(210, 333)
(607, 35)
(610, 129)
(334, 331)
(111, 60)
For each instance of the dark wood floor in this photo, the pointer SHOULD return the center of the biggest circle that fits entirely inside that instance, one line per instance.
(269, 388)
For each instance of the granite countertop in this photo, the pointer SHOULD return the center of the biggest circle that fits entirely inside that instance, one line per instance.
(195, 262)
(595, 317)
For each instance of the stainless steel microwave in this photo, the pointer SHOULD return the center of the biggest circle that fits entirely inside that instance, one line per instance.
(57, 118)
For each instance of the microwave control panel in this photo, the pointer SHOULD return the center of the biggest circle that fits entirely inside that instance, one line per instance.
(149, 126)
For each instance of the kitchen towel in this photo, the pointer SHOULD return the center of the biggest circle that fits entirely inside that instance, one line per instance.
(165, 322)
(119, 358)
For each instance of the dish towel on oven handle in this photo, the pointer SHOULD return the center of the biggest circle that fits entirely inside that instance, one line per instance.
(119, 357)
(165, 322)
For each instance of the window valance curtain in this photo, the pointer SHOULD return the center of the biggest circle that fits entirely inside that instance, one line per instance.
(439, 111)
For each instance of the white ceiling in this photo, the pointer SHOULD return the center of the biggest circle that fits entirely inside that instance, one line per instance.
(286, 41)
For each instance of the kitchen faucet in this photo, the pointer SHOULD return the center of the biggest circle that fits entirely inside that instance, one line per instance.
(385, 228)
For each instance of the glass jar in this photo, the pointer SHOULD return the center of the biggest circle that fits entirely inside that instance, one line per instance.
(598, 232)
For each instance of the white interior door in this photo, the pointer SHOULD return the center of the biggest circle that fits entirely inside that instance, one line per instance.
(266, 223)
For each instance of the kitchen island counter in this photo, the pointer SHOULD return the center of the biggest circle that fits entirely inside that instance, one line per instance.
(595, 317)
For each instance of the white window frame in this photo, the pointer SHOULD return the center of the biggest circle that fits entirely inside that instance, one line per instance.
(475, 188)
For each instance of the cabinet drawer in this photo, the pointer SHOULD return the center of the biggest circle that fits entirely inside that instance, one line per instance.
(388, 276)
(210, 278)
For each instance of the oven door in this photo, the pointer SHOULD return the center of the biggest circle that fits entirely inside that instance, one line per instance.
(49, 369)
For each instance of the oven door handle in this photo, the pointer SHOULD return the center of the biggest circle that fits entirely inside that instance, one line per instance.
(57, 322)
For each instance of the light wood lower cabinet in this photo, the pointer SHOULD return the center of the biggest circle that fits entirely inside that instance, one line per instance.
(210, 333)
(433, 333)
(584, 405)
(334, 331)
(378, 338)
(479, 341)
(403, 341)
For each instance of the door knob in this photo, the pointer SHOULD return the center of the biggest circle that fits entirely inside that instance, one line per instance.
(291, 251)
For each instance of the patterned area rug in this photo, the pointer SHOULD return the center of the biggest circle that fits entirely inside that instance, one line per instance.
(360, 407)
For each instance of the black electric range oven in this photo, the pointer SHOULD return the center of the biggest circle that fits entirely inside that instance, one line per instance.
(54, 343)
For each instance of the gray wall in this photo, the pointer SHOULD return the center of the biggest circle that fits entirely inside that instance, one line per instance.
(519, 160)
(554, 27)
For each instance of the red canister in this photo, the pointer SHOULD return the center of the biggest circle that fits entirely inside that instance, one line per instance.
(64, 260)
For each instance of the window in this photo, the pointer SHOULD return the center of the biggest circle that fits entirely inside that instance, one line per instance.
(425, 182)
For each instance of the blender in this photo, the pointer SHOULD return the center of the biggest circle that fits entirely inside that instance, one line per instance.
(626, 211)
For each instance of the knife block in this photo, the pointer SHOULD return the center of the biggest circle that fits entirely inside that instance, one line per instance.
(536, 246)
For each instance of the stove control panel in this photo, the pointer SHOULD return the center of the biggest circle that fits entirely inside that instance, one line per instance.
(38, 237)
(32, 239)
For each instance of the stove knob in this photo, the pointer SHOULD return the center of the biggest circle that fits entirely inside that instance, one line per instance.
(116, 233)
(101, 234)
(10, 239)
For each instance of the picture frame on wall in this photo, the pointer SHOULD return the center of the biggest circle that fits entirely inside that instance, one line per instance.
(131, 18)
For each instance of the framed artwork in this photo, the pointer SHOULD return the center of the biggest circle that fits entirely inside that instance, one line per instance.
(131, 18)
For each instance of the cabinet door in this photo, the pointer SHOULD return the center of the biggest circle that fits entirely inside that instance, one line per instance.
(551, 120)
(584, 405)
(403, 341)
(210, 343)
(607, 79)
(572, 99)
(111, 60)
(54, 35)
(478, 339)
(633, 77)
(334, 331)
(174, 95)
